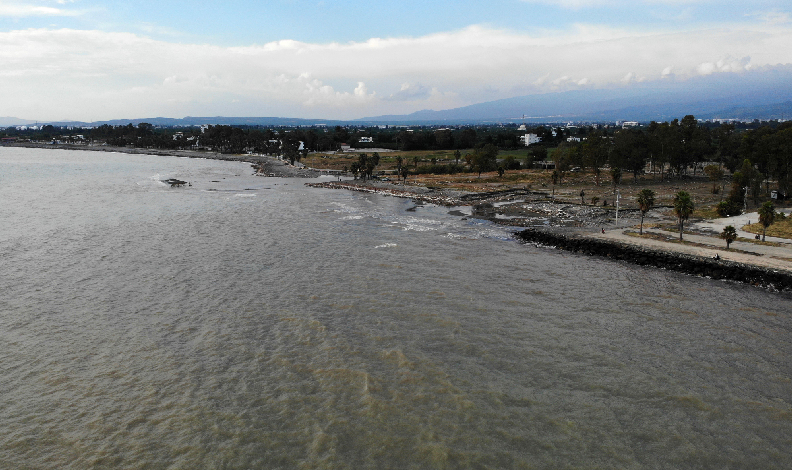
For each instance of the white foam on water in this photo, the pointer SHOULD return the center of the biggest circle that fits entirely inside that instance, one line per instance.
(419, 224)
(343, 207)
(154, 180)
(418, 228)
(244, 195)
(456, 236)
(387, 245)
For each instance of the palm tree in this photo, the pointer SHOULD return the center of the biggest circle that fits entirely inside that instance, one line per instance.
(766, 216)
(683, 207)
(646, 199)
(729, 234)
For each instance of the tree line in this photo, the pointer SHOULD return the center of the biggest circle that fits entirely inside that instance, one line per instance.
(670, 149)
(679, 148)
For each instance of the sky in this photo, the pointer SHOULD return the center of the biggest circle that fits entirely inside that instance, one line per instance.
(92, 60)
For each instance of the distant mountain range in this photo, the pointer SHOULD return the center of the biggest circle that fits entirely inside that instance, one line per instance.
(760, 94)
(7, 121)
(183, 122)
(763, 94)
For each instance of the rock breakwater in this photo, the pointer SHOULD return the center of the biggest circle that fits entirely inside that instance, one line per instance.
(674, 261)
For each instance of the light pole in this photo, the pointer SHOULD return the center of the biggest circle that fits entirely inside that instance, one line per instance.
(618, 195)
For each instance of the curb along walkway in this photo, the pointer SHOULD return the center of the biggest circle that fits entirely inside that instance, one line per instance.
(758, 255)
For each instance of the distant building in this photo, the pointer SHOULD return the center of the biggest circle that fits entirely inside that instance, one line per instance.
(627, 124)
(366, 140)
(529, 139)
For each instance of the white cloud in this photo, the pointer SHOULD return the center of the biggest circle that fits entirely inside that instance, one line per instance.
(109, 75)
(410, 92)
(773, 17)
(727, 64)
(318, 94)
(631, 77)
(21, 10)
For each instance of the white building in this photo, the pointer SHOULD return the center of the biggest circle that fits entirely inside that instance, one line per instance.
(529, 139)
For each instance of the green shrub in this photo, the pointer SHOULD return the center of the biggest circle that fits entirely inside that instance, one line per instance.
(728, 208)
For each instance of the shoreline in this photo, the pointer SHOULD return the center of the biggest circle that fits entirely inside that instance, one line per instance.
(756, 265)
(575, 227)
(672, 260)
(270, 166)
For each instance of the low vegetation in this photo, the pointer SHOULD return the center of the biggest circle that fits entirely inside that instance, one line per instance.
(781, 228)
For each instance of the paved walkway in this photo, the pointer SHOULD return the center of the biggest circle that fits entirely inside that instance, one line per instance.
(738, 221)
(750, 253)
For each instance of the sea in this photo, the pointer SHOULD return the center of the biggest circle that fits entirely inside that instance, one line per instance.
(246, 322)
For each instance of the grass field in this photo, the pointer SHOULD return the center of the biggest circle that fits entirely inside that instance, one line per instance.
(781, 228)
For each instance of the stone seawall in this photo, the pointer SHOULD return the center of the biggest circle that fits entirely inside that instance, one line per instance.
(684, 263)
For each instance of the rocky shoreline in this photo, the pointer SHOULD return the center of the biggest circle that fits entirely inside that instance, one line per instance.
(674, 261)
(516, 207)
(442, 198)
(566, 226)
(575, 228)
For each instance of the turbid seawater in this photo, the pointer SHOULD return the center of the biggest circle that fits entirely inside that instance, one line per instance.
(248, 322)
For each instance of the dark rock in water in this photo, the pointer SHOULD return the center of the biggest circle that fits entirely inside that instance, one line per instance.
(484, 210)
(174, 182)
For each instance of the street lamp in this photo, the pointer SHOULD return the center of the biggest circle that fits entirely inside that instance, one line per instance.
(618, 195)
